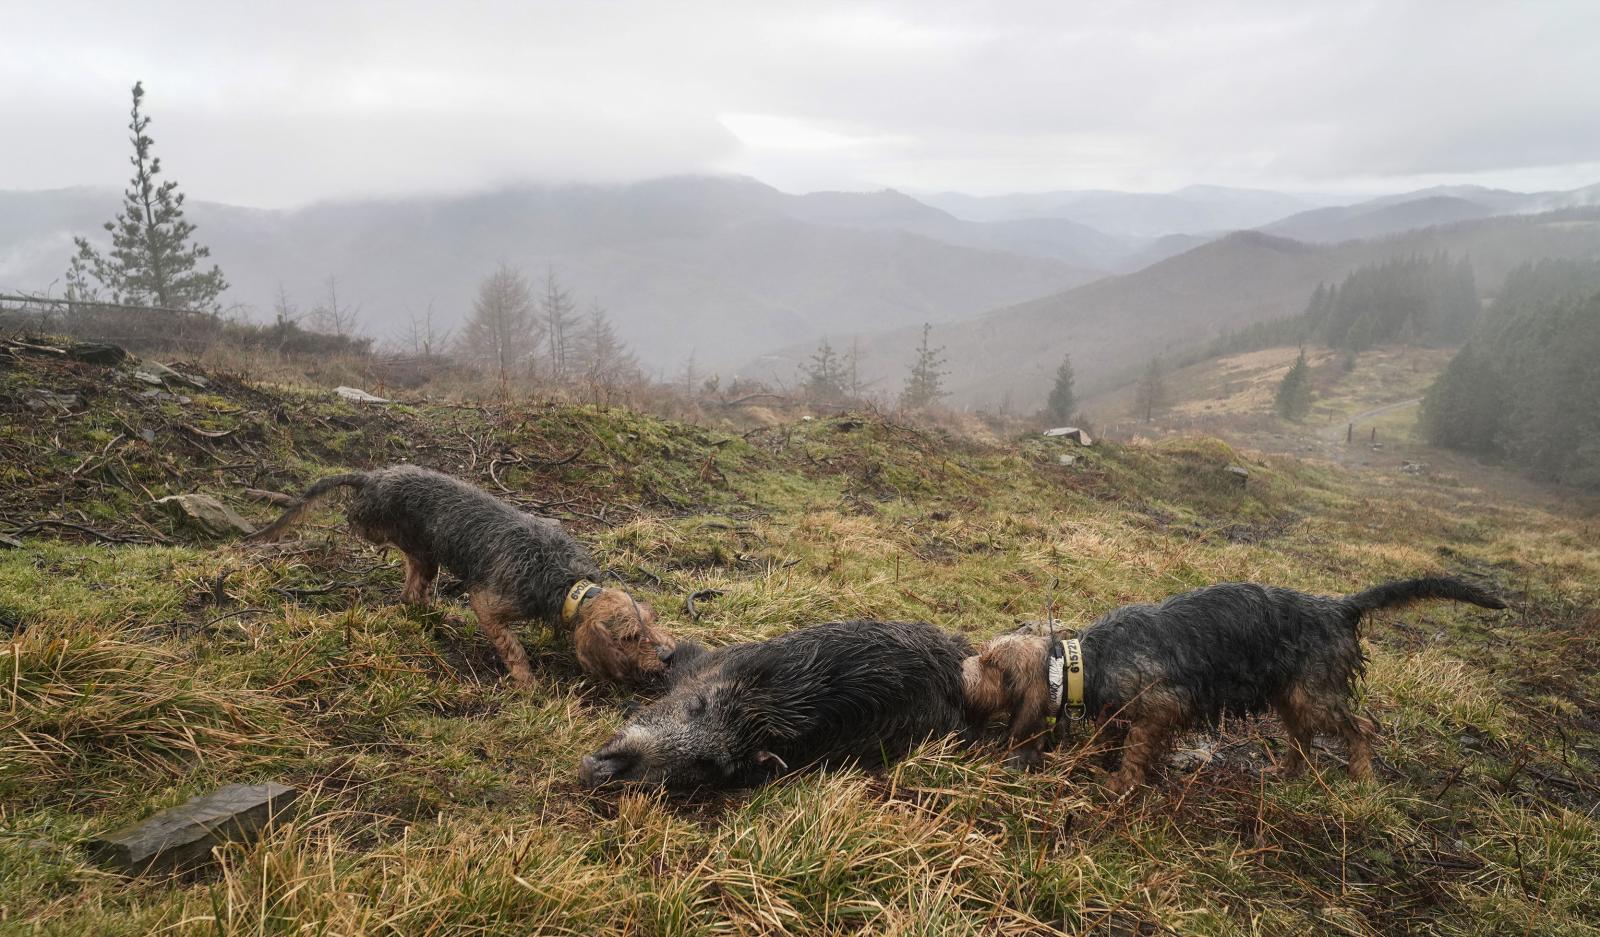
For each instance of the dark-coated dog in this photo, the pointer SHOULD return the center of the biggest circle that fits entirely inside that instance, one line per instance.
(850, 692)
(515, 566)
(1232, 649)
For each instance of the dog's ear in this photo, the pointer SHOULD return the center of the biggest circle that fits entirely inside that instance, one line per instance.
(598, 652)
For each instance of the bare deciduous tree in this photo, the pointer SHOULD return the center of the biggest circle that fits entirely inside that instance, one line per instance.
(333, 318)
(426, 340)
(558, 312)
(603, 359)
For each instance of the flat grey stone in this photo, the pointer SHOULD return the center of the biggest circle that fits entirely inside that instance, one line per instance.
(158, 374)
(205, 513)
(359, 395)
(183, 837)
(1079, 436)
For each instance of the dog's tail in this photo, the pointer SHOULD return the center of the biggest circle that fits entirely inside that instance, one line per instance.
(1406, 591)
(297, 510)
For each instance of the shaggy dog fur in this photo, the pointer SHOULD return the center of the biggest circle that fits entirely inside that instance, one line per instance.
(851, 692)
(1231, 649)
(515, 566)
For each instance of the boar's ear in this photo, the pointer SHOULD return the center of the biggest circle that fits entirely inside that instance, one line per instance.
(772, 763)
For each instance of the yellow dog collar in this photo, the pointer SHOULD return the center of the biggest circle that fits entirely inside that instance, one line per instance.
(582, 591)
(1064, 671)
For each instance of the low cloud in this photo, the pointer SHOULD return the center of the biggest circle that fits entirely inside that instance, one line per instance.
(292, 102)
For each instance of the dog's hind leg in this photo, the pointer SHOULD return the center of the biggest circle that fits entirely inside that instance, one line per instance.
(1358, 732)
(494, 611)
(1299, 720)
(1306, 714)
(420, 573)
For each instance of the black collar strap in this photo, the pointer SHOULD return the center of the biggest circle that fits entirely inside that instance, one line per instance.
(1055, 672)
(581, 591)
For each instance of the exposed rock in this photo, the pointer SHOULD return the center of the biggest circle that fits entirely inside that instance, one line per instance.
(183, 837)
(359, 395)
(1239, 472)
(97, 353)
(1414, 468)
(205, 513)
(1073, 433)
(159, 375)
(43, 400)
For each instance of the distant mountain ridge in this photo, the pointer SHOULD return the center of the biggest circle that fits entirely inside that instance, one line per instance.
(1393, 214)
(1197, 209)
(1112, 326)
(718, 267)
(727, 268)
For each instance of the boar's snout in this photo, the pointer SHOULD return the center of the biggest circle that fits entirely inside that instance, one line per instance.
(595, 771)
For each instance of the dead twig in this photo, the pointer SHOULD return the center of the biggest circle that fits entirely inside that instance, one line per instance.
(688, 601)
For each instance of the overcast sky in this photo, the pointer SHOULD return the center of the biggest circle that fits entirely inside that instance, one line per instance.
(287, 102)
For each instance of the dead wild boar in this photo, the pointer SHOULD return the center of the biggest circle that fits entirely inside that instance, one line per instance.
(849, 692)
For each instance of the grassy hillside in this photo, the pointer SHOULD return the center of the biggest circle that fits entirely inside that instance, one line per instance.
(144, 666)
(1232, 395)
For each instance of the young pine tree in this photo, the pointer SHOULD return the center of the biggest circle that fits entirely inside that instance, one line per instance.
(1294, 393)
(824, 376)
(1061, 403)
(153, 260)
(925, 384)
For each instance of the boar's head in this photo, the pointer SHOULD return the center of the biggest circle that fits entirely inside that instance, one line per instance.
(702, 735)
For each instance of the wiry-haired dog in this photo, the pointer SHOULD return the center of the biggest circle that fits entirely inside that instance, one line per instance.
(1236, 648)
(515, 566)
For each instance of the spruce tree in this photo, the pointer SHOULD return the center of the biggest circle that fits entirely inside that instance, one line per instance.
(1061, 403)
(153, 259)
(1294, 393)
(925, 384)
